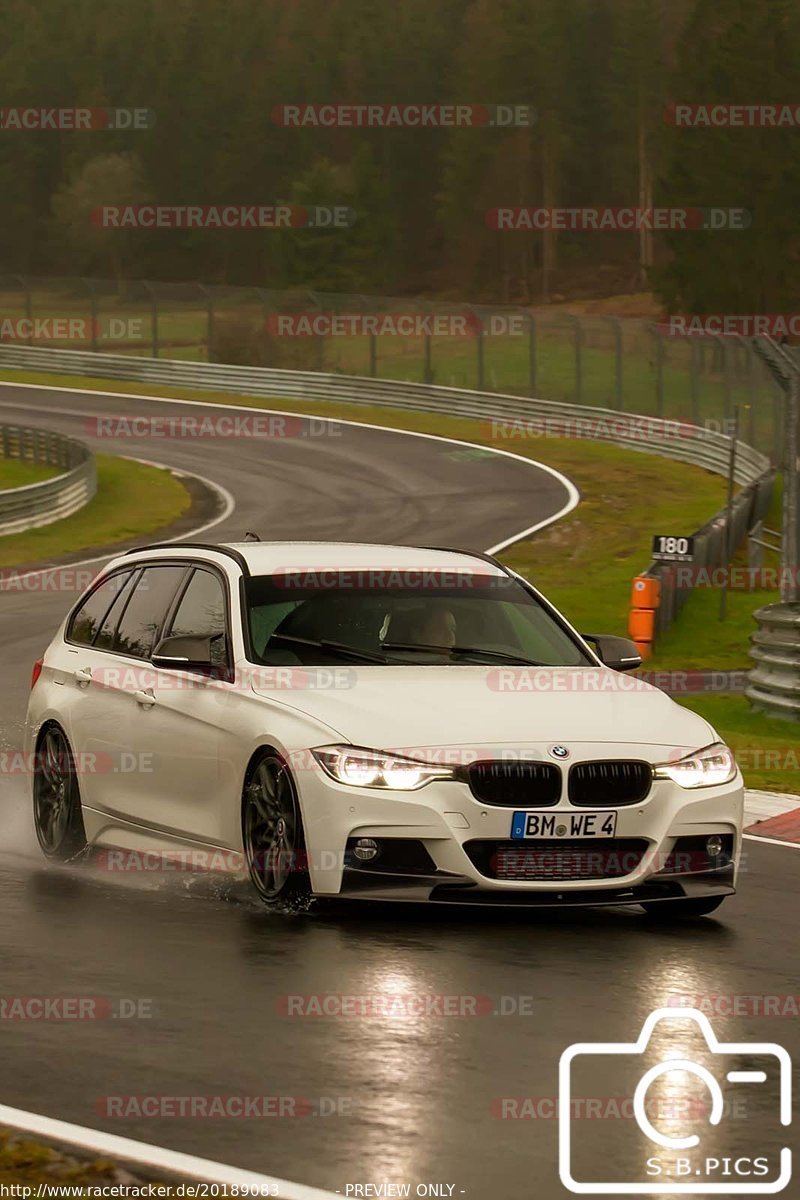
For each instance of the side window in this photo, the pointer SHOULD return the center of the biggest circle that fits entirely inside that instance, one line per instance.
(201, 613)
(105, 638)
(146, 609)
(86, 622)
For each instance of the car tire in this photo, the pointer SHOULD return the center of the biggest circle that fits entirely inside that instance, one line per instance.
(678, 910)
(273, 835)
(57, 813)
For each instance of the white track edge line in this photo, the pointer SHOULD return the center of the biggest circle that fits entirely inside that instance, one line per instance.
(768, 841)
(228, 507)
(572, 492)
(156, 1157)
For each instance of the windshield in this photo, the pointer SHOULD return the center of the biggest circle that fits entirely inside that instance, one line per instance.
(410, 618)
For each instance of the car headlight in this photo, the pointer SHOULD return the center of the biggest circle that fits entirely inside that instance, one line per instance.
(708, 767)
(377, 769)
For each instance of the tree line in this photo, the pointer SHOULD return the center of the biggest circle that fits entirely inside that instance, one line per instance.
(598, 78)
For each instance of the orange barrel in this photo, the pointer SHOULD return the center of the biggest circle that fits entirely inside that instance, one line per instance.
(642, 624)
(646, 592)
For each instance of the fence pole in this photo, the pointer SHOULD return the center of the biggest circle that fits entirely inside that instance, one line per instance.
(791, 493)
(87, 283)
(618, 362)
(153, 316)
(726, 368)
(208, 296)
(728, 537)
(532, 363)
(659, 372)
(578, 359)
(694, 370)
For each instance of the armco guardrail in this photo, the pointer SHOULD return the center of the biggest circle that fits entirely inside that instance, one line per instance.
(774, 686)
(511, 420)
(42, 503)
(525, 418)
(750, 506)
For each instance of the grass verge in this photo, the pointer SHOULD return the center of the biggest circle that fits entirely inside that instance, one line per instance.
(132, 500)
(766, 748)
(14, 473)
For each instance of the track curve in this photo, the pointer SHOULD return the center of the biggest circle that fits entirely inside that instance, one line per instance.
(411, 1099)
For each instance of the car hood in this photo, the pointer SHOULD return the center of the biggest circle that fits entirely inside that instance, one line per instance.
(410, 707)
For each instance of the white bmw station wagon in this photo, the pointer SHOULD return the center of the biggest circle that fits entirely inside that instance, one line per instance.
(378, 722)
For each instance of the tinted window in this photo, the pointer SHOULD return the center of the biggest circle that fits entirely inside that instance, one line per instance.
(201, 613)
(91, 614)
(146, 609)
(401, 616)
(105, 638)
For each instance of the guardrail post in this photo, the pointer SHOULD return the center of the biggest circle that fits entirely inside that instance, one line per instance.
(427, 366)
(479, 361)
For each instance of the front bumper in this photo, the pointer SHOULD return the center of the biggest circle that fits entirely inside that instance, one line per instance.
(444, 817)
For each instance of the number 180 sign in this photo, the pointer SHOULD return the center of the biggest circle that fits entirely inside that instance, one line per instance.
(673, 549)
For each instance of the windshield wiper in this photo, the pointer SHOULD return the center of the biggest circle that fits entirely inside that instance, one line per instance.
(332, 647)
(498, 654)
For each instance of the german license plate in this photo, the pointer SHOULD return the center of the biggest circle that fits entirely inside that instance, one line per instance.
(563, 825)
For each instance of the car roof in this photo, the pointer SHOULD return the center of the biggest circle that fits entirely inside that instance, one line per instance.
(267, 558)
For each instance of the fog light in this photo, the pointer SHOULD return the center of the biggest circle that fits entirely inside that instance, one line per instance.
(366, 849)
(714, 846)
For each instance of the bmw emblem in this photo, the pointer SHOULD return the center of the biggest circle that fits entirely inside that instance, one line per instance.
(559, 751)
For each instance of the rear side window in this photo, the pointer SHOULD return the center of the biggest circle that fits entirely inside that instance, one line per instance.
(146, 609)
(201, 613)
(105, 638)
(88, 619)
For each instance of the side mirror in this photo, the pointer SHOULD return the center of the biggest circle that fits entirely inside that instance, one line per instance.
(184, 654)
(618, 653)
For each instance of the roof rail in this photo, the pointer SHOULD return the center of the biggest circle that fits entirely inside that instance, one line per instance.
(489, 558)
(231, 553)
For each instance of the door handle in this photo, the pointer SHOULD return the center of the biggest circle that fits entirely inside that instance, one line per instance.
(146, 699)
(83, 677)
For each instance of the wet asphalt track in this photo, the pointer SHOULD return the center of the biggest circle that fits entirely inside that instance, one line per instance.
(411, 1100)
